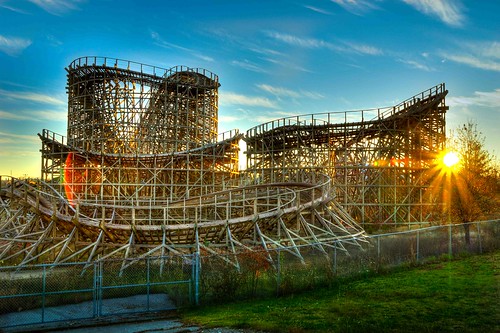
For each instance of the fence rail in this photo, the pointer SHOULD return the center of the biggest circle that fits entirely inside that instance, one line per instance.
(38, 294)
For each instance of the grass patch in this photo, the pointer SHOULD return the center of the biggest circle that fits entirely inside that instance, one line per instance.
(449, 296)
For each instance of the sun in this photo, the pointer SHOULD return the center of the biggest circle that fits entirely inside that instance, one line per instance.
(450, 159)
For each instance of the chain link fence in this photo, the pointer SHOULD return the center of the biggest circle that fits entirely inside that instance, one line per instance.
(253, 274)
(39, 294)
(85, 291)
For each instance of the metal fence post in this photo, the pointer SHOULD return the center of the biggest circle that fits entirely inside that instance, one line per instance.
(378, 250)
(450, 248)
(196, 278)
(278, 278)
(479, 237)
(94, 296)
(148, 283)
(98, 268)
(418, 245)
(44, 283)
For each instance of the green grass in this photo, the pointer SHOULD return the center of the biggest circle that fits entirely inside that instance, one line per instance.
(450, 296)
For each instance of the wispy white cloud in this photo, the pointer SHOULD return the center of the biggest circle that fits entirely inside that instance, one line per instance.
(54, 41)
(313, 43)
(16, 84)
(50, 115)
(265, 51)
(18, 138)
(30, 96)
(416, 65)
(278, 91)
(14, 9)
(267, 54)
(236, 42)
(13, 116)
(228, 98)
(288, 65)
(57, 7)
(284, 92)
(490, 99)
(357, 7)
(159, 41)
(19, 160)
(364, 48)
(476, 62)
(34, 115)
(318, 10)
(228, 119)
(248, 65)
(270, 116)
(312, 94)
(310, 43)
(247, 117)
(17, 153)
(448, 11)
(483, 55)
(204, 57)
(487, 49)
(13, 46)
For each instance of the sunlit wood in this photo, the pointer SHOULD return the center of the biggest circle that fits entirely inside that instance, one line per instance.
(143, 171)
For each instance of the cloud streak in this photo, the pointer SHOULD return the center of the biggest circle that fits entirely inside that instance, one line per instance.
(416, 65)
(34, 115)
(318, 10)
(245, 64)
(482, 55)
(159, 41)
(13, 46)
(476, 62)
(11, 116)
(448, 11)
(357, 7)
(309, 43)
(57, 7)
(490, 99)
(228, 98)
(313, 43)
(33, 97)
(284, 92)
(16, 10)
(364, 48)
(287, 64)
(16, 138)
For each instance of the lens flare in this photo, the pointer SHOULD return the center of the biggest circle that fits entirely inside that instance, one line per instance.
(450, 159)
(75, 175)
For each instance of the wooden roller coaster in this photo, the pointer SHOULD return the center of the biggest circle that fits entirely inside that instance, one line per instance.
(144, 172)
(379, 159)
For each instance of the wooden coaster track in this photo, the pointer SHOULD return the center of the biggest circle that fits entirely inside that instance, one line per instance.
(144, 172)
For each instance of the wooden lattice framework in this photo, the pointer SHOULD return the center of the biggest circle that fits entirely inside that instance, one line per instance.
(137, 131)
(379, 159)
(144, 172)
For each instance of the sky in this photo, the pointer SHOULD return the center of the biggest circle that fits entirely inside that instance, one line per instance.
(274, 58)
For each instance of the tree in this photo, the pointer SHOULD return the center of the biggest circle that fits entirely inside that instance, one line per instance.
(474, 184)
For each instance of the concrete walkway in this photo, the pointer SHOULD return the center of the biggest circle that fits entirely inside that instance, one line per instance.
(164, 326)
(112, 311)
(118, 315)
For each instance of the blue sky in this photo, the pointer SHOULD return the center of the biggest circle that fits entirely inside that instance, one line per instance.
(273, 58)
